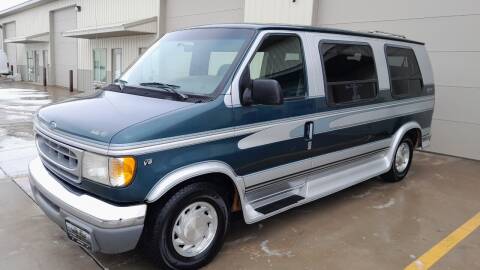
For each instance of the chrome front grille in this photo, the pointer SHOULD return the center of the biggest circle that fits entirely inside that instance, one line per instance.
(62, 160)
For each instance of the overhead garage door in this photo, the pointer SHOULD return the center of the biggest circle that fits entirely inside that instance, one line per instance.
(64, 49)
(11, 48)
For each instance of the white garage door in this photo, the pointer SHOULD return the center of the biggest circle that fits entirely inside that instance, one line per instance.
(184, 13)
(11, 48)
(64, 49)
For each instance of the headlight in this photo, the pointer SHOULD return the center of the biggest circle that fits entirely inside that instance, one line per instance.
(95, 167)
(111, 171)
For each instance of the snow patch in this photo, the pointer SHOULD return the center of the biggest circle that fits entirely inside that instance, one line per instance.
(274, 252)
(240, 240)
(388, 204)
(361, 195)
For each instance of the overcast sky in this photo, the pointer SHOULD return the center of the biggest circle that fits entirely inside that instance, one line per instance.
(4, 4)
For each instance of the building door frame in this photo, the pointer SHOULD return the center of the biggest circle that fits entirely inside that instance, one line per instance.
(117, 63)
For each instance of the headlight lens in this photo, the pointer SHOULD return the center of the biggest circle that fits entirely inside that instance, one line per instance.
(116, 172)
(95, 167)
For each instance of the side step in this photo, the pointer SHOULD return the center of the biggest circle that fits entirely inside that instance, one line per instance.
(272, 198)
(279, 204)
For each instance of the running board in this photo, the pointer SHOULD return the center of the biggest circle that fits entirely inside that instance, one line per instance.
(279, 204)
(278, 196)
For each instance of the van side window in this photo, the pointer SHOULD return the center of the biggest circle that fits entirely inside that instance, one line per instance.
(350, 72)
(280, 57)
(405, 77)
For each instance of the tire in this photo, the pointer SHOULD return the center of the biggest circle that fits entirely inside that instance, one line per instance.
(400, 166)
(188, 206)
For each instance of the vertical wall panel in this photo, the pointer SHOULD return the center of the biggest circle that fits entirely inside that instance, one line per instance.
(30, 22)
(185, 13)
(280, 11)
(104, 12)
(64, 49)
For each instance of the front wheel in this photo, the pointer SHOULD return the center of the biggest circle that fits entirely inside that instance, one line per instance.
(401, 161)
(189, 229)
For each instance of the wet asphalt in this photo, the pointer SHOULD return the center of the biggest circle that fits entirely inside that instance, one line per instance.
(373, 225)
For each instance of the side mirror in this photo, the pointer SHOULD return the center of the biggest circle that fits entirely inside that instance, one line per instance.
(266, 92)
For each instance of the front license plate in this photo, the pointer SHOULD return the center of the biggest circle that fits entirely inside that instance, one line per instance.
(79, 235)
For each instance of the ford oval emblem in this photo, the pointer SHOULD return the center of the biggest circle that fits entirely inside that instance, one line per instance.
(53, 125)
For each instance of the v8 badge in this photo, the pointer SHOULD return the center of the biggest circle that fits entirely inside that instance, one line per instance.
(147, 162)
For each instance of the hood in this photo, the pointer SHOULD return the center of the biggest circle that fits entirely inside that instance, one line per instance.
(101, 116)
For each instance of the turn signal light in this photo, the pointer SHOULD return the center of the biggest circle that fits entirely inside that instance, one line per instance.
(122, 171)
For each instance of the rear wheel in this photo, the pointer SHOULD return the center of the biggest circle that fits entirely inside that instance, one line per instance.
(188, 230)
(401, 161)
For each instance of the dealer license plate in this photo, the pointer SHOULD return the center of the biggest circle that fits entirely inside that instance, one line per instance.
(79, 235)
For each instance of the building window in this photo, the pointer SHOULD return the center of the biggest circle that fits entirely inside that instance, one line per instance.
(117, 63)
(405, 76)
(280, 57)
(350, 72)
(100, 65)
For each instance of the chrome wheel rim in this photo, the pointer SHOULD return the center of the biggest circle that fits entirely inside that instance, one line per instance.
(194, 229)
(402, 157)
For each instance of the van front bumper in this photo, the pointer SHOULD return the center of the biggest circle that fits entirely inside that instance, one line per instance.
(109, 228)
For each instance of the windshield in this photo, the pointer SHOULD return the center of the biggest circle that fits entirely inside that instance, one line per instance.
(191, 62)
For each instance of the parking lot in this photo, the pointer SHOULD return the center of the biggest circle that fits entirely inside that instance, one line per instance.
(373, 225)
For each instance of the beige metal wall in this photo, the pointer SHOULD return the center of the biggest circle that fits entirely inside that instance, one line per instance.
(30, 22)
(280, 11)
(130, 51)
(10, 49)
(107, 12)
(449, 29)
(185, 13)
(35, 20)
(64, 49)
(104, 12)
(93, 13)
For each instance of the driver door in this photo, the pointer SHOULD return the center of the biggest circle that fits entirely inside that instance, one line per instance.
(272, 135)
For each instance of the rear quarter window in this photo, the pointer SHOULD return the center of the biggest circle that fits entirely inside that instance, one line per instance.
(350, 72)
(405, 76)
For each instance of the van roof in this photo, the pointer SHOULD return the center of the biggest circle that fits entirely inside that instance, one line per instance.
(308, 29)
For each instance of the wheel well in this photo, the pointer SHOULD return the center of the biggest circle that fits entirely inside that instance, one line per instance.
(225, 187)
(415, 135)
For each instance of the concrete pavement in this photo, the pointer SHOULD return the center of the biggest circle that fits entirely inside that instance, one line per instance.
(373, 225)
(28, 239)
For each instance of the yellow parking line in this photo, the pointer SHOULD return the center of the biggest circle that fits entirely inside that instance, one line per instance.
(428, 259)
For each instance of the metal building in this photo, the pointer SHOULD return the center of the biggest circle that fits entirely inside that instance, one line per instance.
(98, 39)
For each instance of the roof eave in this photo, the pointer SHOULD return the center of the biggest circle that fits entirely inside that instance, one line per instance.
(37, 38)
(117, 30)
(23, 6)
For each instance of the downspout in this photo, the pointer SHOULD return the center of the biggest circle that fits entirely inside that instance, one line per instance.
(161, 20)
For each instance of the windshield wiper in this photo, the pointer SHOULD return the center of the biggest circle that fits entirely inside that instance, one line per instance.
(165, 86)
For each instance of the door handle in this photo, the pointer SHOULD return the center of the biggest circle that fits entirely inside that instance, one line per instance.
(309, 134)
(309, 131)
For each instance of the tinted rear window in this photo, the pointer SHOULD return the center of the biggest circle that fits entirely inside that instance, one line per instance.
(350, 72)
(405, 77)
